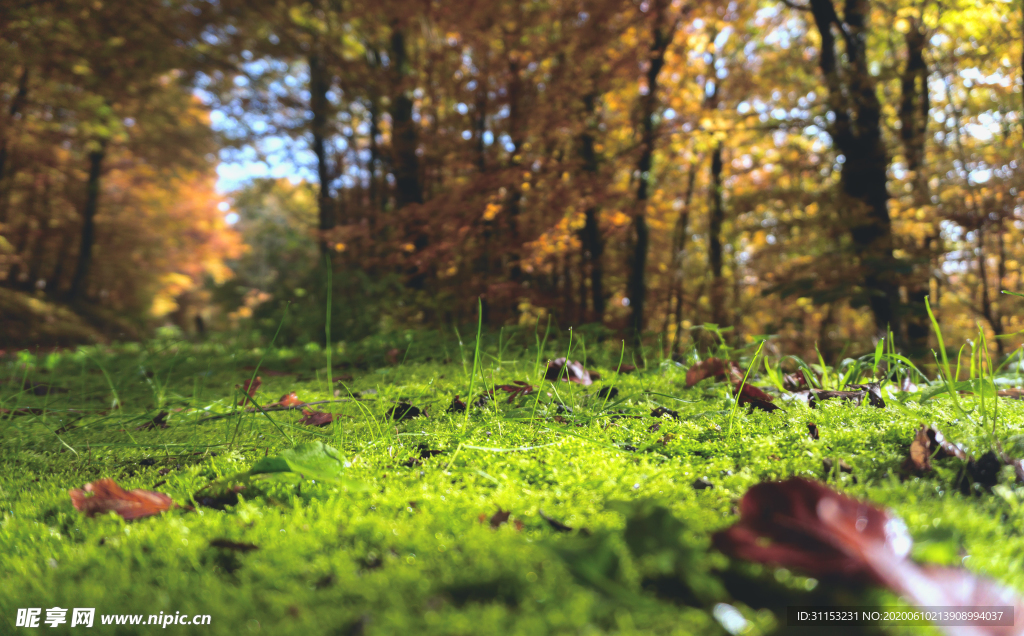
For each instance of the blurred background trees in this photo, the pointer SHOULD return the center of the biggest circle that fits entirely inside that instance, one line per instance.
(807, 168)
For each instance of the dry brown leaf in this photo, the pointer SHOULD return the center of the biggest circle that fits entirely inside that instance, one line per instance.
(106, 496)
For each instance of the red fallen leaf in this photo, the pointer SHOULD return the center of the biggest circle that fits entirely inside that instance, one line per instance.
(250, 387)
(713, 368)
(569, 371)
(627, 368)
(756, 398)
(288, 400)
(160, 421)
(107, 496)
(316, 418)
(517, 389)
(457, 406)
(809, 527)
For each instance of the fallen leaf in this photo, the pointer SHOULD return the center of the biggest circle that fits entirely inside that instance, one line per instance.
(249, 387)
(608, 393)
(517, 389)
(107, 496)
(661, 411)
(713, 368)
(873, 392)
(392, 355)
(556, 525)
(287, 400)
(806, 526)
(457, 406)
(812, 430)
(316, 418)
(160, 421)
(828, 464)
(857, 397)
(794, 381)
(568, 371)
(497, 518)
(930, 444)
(1013, 394)
(404, 411)
(756, 398)
(220, 501)
(627, 368)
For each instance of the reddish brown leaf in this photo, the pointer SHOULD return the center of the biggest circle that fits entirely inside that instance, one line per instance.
(498, 518)
(392, 356)
(249, 387)
(756, 398)
(107, 496)
(794, 381)
(288, 400)
(457, 406)
(812, 429)
(809, 527)
(569, 371)
(517, 389)
(1013, 394)
(627, 368)
(713, 368)
(160, 421)
(316, 418)
(930, 444)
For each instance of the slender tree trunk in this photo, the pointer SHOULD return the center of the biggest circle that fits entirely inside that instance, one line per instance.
(913, 112)
(988, 310)
(593, 244)
(319, 85)
(404, 138)
(857, 133)
(680, 234)
(88, 236)
(16, 103)
(715, 240)
(637, 284)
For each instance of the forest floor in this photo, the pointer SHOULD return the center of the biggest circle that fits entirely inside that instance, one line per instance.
(550, 507)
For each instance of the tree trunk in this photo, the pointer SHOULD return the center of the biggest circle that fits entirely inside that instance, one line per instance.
(637, 284)
(593, 244)
(16, 103)
(680, 234)
(913, 113)
(715, 222)
(405, 163)
(88, 236)
(857, 134)
(319, 84)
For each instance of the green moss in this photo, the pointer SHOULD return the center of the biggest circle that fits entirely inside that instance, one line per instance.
(413, 551)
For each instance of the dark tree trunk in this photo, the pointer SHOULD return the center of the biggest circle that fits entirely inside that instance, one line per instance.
(88, 236)
(680, 234)
(405, 163)
(593, 243)
(913, 112)
(715, 222)
(16, 103)
(857, 134)
(637, 284)
(319, 84)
